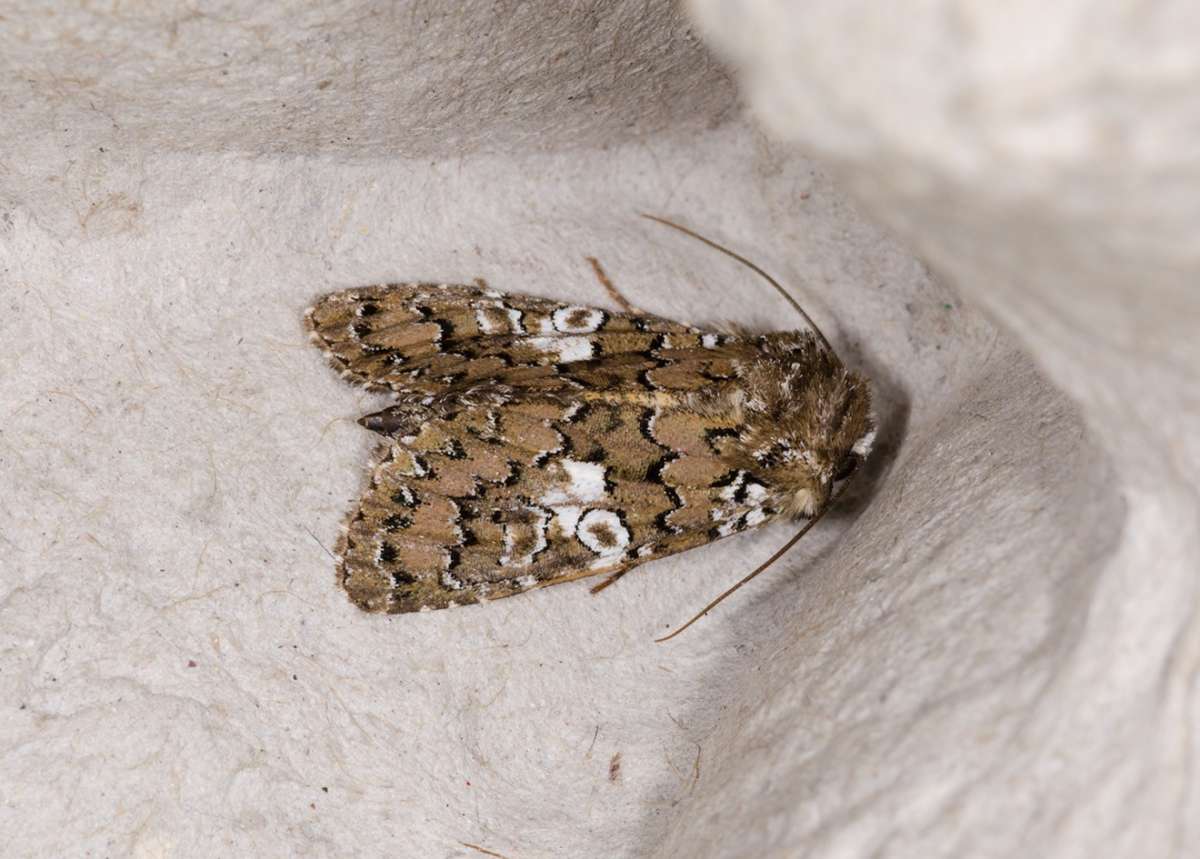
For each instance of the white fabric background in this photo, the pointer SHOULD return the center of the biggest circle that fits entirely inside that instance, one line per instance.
(987, 648)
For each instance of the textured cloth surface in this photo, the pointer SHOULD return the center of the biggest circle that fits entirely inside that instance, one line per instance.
(180, 674)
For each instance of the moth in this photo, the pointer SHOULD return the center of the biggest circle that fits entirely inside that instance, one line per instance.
(531, 442)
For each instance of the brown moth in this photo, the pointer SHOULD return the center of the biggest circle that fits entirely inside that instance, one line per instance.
(532, 442)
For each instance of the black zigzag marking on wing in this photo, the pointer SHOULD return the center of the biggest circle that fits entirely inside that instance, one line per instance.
(654, 473)
(712, 435)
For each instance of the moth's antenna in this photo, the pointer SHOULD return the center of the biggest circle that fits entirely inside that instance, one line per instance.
(821, 336)
(754, 268)
(768, 562)
(319, 543)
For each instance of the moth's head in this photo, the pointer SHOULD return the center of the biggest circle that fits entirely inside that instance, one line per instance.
(808, 420)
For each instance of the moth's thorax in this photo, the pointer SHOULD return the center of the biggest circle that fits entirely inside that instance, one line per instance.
(806, 420)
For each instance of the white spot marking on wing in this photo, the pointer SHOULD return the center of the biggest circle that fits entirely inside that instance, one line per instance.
(567, 517)
(595, 522)
(585, 482)
(590, 320)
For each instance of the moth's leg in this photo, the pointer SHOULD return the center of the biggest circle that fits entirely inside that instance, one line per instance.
(611, 289)
(595, 589)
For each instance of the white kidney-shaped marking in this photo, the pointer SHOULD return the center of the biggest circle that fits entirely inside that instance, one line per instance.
(565, 349)
(585, 482)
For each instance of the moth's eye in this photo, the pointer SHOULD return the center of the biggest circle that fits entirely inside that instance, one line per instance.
(847, 466)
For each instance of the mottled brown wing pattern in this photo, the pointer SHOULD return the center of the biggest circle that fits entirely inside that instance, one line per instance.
(413, 337)
(501, 499)
(533, 442)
